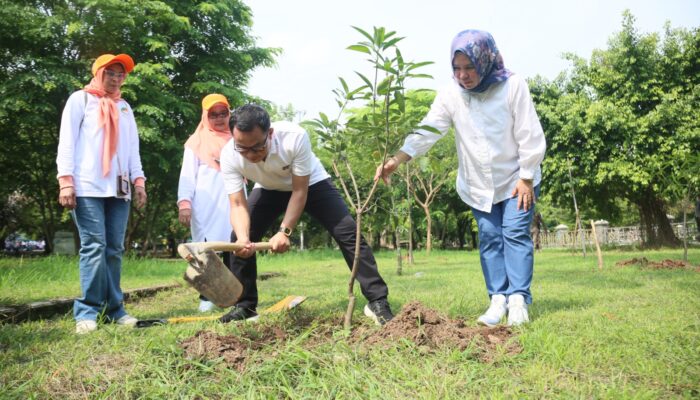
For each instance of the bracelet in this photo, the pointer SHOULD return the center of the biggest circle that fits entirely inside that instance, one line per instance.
(65, 187)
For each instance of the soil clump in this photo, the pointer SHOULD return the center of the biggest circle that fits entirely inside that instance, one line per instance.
(431, 330)
(664, 264)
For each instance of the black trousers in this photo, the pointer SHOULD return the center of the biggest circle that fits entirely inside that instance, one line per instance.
(324, 204)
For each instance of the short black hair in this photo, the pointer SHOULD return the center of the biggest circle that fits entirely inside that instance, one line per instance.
(245, 118)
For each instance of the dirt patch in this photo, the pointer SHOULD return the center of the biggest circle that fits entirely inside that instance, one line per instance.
(426, 328)
(234, 350)
(432, 330)
(664, 264)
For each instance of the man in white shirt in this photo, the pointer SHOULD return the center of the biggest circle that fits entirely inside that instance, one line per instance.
(289, 179)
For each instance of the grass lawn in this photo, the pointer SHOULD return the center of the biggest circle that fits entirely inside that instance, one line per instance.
(624, 332)
(23, 280)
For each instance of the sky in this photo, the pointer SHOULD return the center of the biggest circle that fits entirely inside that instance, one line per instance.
(532, 36)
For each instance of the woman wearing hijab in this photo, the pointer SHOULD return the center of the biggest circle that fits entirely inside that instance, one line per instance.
(500, 146)
(201, 198)
(98, 158)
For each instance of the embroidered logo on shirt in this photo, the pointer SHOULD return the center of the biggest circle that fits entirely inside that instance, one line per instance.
(124, 110)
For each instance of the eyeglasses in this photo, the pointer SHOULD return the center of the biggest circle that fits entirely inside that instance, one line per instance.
(112, 74)
(258, 148)
(222, 114)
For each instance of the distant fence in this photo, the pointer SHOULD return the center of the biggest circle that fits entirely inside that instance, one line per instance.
(615, 236)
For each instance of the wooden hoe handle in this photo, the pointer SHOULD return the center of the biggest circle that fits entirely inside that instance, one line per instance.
(224, 246)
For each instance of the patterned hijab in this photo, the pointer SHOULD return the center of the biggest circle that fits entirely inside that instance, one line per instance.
(481, 49)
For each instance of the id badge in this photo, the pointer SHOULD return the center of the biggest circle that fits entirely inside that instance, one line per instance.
(122, 185)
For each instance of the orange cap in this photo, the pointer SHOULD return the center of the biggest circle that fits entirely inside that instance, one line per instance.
(211, 99)
(108, 59)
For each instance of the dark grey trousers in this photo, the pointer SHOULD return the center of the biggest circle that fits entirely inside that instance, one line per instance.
(324, 204)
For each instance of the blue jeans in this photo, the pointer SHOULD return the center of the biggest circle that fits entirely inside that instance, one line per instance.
(505, 248)
(101, 223)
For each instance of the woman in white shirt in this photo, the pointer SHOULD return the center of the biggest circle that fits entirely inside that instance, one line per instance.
(500, 146)
(201, 197)
(98, 157)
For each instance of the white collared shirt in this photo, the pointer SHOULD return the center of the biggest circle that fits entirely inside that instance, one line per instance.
(498, 137)
(80, 147)
(289, 154)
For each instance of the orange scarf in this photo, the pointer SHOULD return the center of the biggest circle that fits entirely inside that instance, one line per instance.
(108, 118)
(206, 142)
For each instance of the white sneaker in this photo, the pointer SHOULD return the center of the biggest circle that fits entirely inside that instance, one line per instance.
(205, 306)
(127, 320)
(495, 312)
(85, 326)
(517, 310)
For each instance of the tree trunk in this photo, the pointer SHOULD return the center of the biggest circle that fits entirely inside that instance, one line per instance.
(409, 198)
(347, 319)
(410, 239)
(443, 234)
(47, 223)
(655, 225)
(399, 261)
(461, 231)
(685, 232)
(428, 234)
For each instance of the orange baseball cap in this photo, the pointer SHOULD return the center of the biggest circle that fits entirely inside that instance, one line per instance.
(211, 99)
(108, 59)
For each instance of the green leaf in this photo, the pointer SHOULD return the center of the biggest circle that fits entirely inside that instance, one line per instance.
(365, 34)
(420, 76)
(391, 42)
(360, 48)
(364, 78)
(345, 85)
(384, 85)
(419, 65)
(350, 95)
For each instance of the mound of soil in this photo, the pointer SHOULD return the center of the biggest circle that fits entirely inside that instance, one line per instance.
(430, 329)
(664, 264)
(233, 349)
(425, 327)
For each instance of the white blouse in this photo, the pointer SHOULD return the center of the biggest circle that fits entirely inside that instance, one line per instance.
(80, 147)
(498, 137)
(203, 187)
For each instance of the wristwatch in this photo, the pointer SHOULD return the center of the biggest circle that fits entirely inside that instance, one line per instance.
(287, 232)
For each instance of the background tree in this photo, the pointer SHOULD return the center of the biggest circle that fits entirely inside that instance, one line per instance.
(430, 174)
(619, 117)
(183, 51)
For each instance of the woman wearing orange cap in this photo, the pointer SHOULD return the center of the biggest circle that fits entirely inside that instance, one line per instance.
(98, 157)
(202, 201)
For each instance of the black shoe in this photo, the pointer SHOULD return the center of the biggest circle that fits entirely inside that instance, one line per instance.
(379, 311)
(239, 314)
